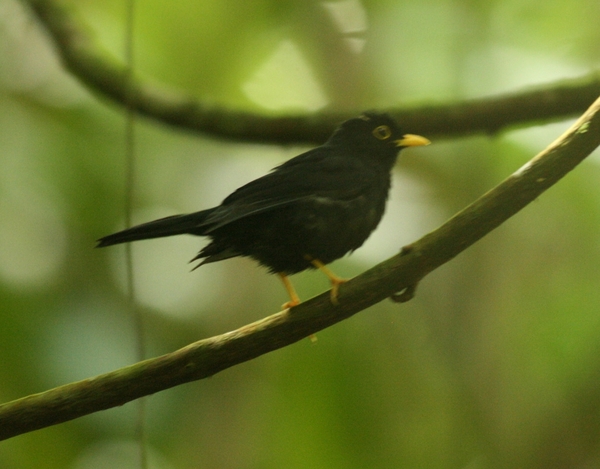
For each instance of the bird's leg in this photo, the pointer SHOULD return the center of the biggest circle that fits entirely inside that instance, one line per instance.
(334, 279)
(294, 299)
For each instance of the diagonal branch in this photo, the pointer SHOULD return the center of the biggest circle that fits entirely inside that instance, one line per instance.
(401, 272)
(106, 76)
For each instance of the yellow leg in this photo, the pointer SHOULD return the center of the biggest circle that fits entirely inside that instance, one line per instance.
(294, 299)
(334, 279)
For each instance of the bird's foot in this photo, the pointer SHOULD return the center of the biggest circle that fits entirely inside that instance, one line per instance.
(290, 304)
(335, 288)
(334, 279)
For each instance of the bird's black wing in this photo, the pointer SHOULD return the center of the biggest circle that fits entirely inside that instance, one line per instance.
(316, 174)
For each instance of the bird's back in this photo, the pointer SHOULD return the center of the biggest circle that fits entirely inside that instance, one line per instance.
(329, 209)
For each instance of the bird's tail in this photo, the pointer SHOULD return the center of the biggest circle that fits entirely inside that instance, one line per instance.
(169, 226)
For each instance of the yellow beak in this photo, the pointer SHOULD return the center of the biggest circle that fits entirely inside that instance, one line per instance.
(410, 140)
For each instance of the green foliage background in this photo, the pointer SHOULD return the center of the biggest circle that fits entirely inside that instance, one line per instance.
(493, 364)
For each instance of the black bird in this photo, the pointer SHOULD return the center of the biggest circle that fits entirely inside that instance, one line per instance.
(304, 214)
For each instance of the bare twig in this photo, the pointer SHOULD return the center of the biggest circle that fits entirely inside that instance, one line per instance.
(207, 357)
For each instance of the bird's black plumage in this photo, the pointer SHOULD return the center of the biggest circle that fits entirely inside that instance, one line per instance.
(319, 205)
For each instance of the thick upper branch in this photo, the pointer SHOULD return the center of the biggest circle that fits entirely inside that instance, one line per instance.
(107, 77)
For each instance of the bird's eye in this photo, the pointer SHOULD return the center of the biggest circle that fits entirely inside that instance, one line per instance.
(382, 132)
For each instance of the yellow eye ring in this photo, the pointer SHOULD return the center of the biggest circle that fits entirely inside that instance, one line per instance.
(382, 132)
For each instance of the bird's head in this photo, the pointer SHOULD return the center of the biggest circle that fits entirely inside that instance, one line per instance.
(375, 131)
